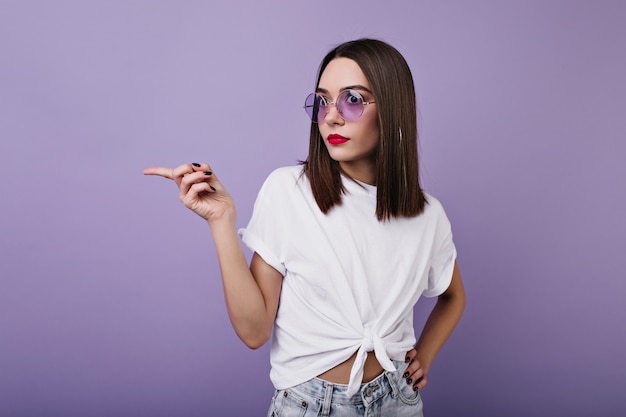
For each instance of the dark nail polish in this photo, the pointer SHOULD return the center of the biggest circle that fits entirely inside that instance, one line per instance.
(405, 374)
(407, 359)
(207, 173)
(415, 389)
(212, 188)
(408, 381)
(195, 164)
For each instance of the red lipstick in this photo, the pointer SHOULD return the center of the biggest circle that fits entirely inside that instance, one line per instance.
(336, 139)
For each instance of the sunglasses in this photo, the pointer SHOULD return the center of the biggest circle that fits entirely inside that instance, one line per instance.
(350, 105)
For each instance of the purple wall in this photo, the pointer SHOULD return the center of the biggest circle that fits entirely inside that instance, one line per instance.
(110, 298)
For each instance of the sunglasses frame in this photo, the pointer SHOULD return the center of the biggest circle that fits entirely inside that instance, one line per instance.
(328, 103)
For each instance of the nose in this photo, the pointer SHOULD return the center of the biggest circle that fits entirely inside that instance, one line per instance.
(333, 117)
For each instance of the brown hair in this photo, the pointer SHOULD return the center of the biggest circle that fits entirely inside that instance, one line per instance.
(399, 193)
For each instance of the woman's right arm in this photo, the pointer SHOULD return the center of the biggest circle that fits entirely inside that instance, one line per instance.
(251, 292)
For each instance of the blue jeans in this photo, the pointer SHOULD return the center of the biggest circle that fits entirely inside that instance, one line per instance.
(386, 395)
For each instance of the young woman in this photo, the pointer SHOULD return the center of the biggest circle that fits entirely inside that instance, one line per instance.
(344, 245)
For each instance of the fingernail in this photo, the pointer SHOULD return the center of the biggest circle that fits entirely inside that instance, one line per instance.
(409, 381)
(207, 173)
(405, 374)
(407, 359)
(195, 164)
(212, 188)
(415, 389)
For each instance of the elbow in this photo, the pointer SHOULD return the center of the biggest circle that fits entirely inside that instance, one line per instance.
(460, 299)
(253, 344)
(254, 341)
(455, 294)
(454, 300)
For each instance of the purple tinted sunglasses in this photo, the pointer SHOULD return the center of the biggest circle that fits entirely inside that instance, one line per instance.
(349, 104)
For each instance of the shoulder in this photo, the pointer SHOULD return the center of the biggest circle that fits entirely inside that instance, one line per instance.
(285, 173)
(434, 208)
(284, 178)
(433, 204)
(435, 213)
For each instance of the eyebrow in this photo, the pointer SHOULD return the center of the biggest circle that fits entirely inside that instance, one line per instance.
(349, 87)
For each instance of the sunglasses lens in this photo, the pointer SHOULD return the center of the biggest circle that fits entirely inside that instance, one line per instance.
(315, 108)
(350, 105)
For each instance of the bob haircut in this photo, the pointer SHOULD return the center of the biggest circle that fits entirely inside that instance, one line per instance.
(399, 193)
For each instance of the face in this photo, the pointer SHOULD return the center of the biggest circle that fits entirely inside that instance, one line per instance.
(351, 143)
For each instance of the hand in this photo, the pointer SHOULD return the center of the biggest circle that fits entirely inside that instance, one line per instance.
(415, 374)
(200, 190)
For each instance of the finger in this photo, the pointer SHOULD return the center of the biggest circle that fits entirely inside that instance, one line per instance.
(420, 383)
(410, 358)
(194, 195)
(160, 171)
(410, 355)
(413, 367)
(414, 370)
(414, 376)
(184, 169)
(212, 178)
(191, 179)
(200, 166)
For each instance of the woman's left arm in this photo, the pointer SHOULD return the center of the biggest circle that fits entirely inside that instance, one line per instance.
(438, 328)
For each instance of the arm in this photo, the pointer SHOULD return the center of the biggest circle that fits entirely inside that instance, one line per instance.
(438, 328)
(251, 292)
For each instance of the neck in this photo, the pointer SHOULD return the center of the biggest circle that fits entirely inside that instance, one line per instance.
(361, 172)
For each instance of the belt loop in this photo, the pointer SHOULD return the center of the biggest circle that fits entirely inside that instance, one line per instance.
(328, 398)
(392, 382)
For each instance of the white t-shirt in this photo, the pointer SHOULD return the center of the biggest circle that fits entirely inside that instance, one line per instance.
(350, 280)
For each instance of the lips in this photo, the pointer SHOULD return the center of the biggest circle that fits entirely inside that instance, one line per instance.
(336, 139)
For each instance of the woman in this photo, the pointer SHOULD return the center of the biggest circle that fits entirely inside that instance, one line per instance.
(347, 243)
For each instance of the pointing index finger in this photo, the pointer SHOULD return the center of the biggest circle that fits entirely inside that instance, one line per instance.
(160, 171)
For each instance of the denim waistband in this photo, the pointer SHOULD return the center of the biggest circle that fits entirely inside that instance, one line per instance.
(369, 392)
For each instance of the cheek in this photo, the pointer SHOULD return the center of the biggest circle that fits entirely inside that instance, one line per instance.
(324, 131)
(373, 131)
(373, 140)
(371, 120)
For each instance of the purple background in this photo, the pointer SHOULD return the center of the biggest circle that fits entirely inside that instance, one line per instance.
(110, 297)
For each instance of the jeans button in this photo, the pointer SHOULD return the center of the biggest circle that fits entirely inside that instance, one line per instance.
(368, 392)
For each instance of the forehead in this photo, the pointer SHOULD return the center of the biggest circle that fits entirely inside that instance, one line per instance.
(340, 73)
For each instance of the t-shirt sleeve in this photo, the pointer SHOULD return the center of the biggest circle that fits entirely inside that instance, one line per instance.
(443, 256)
(264, 233)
